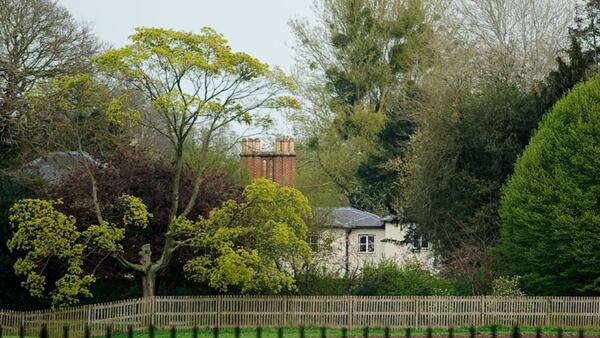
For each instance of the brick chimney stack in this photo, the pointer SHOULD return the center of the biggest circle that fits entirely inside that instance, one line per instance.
(280, 165)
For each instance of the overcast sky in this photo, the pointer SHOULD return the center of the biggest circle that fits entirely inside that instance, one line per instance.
(257, 27)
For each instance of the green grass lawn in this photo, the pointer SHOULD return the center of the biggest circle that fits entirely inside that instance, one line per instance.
(336, 333)
(373, 332)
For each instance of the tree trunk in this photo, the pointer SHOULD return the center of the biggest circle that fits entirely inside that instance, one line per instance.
(149, 275)
(149, 283)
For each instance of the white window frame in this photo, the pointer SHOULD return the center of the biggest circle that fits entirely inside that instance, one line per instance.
(420, 246)
(314, 241)
(369, 246)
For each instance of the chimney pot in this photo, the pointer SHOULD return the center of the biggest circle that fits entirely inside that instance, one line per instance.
(256, 145)
(244, 146)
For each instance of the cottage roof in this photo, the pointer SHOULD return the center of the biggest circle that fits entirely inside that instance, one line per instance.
(348, 217)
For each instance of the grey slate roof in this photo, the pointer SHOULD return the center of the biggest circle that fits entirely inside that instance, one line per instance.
(349, 218)
(55, 165)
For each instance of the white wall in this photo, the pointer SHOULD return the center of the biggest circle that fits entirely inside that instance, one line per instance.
(402, 253)
(335, 260)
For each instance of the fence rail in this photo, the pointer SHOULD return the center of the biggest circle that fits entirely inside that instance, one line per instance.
(309, 311)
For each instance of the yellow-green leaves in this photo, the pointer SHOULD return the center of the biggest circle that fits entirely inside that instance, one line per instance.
(39, 226)
(136, 213)
(106, 237)
(179, 53)
(81, 112)
(197, 82)
(48, 236)
(120, 116)
(256, 244)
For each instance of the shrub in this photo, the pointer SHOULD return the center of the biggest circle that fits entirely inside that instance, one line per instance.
(507, 286)
(550, 208)
(410, 279)
(320, 282)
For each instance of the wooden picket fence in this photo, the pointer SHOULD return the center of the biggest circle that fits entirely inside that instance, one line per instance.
(309, 311)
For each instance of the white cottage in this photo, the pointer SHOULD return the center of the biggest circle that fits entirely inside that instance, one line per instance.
(350, 238)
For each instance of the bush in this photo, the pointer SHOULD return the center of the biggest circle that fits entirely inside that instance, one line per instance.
(11, 190)
(321, 283)
(550, 208)
(411, 279)
(507, 286)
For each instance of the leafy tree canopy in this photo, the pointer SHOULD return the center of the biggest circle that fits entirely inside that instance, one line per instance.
(366, 57)
(549, 207)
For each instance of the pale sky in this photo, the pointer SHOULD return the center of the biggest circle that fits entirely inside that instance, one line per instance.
(257, 27)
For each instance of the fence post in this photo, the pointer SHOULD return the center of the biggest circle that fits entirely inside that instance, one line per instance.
(153, 311)
(548, 319)
(89, 316)
(285, 305)
(350, 311)
(219, 310)
(482, 311)
(417, 312)
(22, 321)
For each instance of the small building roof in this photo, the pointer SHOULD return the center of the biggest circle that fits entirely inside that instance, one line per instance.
(57, 164)
(348, 218)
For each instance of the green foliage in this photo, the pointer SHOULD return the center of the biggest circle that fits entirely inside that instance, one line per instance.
(46, 235)
(39, 40)
(254, 243)
(136, 213)
(549, 208)
(464, 152)
(314, 183)
(321, 283)
(411, 279)
(459, 170)
(189, 79)
(492, 130)
(79, 112)
(47, 239)
(507, 286)
(11, 190)
(366, 56)
(197, 86)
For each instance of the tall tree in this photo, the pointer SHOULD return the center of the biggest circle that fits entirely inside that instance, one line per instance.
(549, 210)
(587, 28)
(517, 41)
(365, 56)
(472, 129)
(198, 86)
(38, 40)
